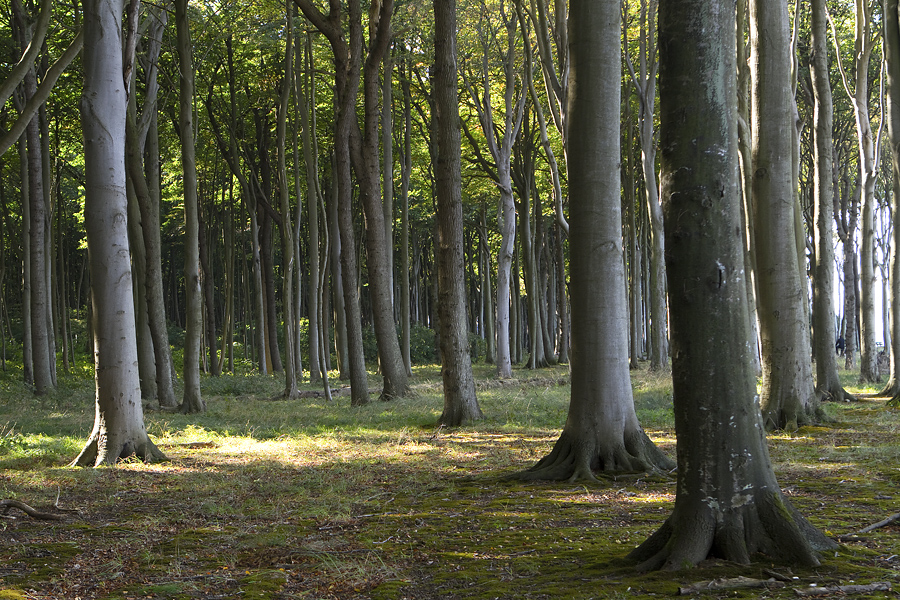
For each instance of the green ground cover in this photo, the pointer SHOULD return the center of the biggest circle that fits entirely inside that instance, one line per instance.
(264, 498)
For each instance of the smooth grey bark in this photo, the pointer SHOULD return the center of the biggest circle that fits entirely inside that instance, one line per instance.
(601, 432)
(405, 173)
(728, 503)
(868, 147)
(286, 226)
(141, 133)
(499, 139)
(892, 114)
(119, 425)
(192, 401)
(307, 110)
(788, 399)
(828, 383)
(460, 402)
(645, 85)
(347, 50)
(364, 152)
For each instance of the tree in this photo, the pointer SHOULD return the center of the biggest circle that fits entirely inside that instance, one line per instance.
(645, 86)
(347, 51)
(892, 59)
(119, 425)
(869, 149)
(192, 400)
(460, 402)
(602, 431)
(728, 503)
(788, 398)
(828, 384)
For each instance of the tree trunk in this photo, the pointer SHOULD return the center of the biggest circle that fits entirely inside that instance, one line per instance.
(291, 374)
(118, 426)
(892, 58)
(460, 402)
(828, 384)
(788, 399)
(602, 432)
(728, 503)
(191, 400)
(378, 247)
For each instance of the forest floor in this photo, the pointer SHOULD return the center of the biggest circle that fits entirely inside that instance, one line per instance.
(269, 498)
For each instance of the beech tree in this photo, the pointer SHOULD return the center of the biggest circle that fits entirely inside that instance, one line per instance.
(119, 424)
(828, 384)
(460, 402)
(602, 432)
(728, 503)
(892, 114)
(788, 399)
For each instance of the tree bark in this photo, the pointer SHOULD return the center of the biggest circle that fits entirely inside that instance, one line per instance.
(892, 58)
(788, 399)
(378, 246)
(728, 503)
(828, 384)
(118, 426)
(460, 401)
(602, 432)
(191, 400)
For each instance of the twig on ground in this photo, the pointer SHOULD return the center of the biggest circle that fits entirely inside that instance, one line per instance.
(878, 586)
(729, 584)
(888, 521)
(34, 514)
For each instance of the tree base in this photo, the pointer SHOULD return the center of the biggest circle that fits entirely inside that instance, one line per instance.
(577, 457)
(698, 530)
(98, 453)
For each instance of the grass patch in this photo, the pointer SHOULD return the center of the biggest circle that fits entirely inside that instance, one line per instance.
(268, 498)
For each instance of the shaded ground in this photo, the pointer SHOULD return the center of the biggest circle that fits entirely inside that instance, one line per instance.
(395, 512)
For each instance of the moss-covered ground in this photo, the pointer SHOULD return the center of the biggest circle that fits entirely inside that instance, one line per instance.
(264, 498)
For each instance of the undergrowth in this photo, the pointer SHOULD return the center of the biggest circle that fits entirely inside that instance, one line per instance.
(267, 498)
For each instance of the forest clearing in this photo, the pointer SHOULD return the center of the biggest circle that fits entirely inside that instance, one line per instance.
(273, 498)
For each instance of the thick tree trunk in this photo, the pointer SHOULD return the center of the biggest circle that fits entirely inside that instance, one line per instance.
(118, 426)
(728, 503)
(602, 432)
(460, 402)
(788, 399)
(828, 384)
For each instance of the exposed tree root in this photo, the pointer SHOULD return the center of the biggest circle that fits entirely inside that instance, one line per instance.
(834, 394)
(574, 458)
(890, 390)
(100, 451)
(698, 529)
(31, 512)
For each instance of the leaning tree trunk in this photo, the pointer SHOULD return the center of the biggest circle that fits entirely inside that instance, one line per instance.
(460, 401)
(788, 399)
(602, 432)
(119, 425)
(728, 503)
(828, 384)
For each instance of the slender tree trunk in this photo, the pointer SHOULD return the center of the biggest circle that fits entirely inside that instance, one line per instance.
(892, 58)
(828, 384)
(191, 400)
(460, 402)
